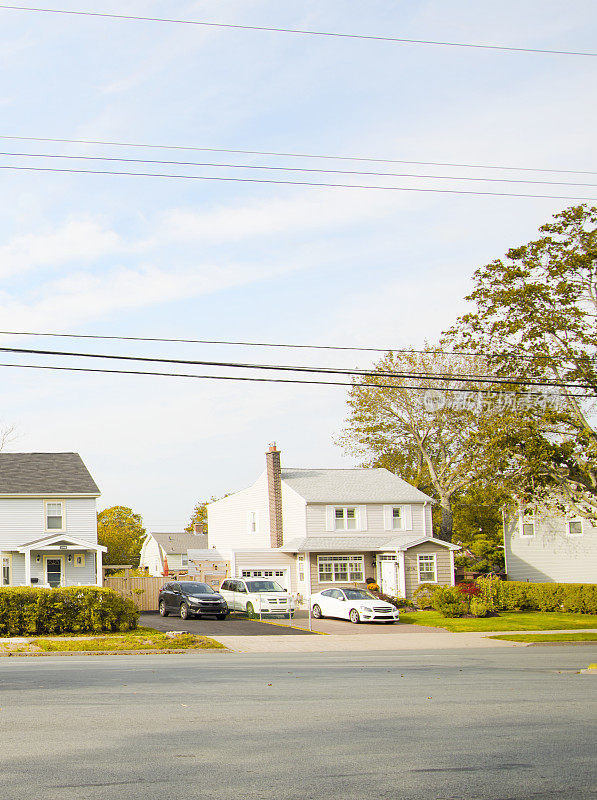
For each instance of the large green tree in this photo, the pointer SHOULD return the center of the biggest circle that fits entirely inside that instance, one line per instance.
(425, 416)
(122, 532)
(534, 320)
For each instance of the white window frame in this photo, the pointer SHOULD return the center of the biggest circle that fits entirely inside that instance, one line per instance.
(399, 519)
(345, 518)
(300, 568)
(575, 521)
(62, 515)
(527, 519)
(334, 560)
(184, 559)
(253, 522)
(8, 557)
(425, 558)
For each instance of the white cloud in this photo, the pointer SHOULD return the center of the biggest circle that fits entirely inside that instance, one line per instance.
(75, 240)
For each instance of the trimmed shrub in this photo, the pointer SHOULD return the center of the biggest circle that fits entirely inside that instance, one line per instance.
(449, 601)
(28, 611)
(478, 608)
(580, 598)
(423, 594)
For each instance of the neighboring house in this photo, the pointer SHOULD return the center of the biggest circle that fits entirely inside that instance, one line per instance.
(48, 521)
(311, 529)
(208, 566)
(543, 546)
(161, 551)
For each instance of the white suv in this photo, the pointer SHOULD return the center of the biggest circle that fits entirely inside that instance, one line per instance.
(256, 596)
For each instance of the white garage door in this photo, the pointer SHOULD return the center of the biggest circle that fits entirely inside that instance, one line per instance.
(278, 575)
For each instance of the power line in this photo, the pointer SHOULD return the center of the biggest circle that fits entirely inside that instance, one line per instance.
(289, 169)
(300, 368)
(292, 155)
(298, 31)
(257, 344)
(294, 183)
(256, 380)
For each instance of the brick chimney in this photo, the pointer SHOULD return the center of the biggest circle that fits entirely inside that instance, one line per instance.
(197, 528)
(274, 491)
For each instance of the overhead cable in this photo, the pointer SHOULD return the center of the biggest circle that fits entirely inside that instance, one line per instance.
(278, 154)
(402, 375)
(263, 380)
(298, 31)
(293, 183)
(272, 167)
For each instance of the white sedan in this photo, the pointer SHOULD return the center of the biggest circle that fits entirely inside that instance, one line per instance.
(357, 605)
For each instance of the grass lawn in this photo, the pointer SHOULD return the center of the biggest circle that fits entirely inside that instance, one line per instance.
(119, 642)
(548, 637)
(507, 621)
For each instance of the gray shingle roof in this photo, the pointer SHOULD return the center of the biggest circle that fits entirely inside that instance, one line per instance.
(45, 473)
(351, 486)
(358, 544)
(180, 542)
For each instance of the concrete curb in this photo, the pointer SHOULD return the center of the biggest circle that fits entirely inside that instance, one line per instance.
(151, 652)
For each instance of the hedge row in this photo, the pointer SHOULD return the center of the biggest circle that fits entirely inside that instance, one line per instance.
(27, 610)
(501, 595)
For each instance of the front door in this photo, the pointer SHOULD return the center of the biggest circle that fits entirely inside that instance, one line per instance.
(389, 577)
(54, 571)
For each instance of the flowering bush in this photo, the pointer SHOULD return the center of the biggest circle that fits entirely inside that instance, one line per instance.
(373, 587)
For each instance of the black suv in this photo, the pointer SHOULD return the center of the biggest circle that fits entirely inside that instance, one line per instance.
(191, 599)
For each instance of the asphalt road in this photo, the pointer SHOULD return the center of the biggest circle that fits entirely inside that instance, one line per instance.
(459, 725)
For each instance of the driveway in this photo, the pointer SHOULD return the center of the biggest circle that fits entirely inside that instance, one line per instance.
(234, 625)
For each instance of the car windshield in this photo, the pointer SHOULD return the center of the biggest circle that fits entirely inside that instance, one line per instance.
(264, 586)
(359, 594)
(194, 587)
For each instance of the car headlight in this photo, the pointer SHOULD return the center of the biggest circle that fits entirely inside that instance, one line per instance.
(194, 601)
(367, 608)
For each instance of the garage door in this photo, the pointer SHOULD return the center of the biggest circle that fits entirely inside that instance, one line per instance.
(278, 575)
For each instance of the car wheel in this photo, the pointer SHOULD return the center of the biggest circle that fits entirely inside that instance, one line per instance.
(221, 616)
(163, 610)
(316, 611)
(354, 616)
(250, 610)
(184, 611)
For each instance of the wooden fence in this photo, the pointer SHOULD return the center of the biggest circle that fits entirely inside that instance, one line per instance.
(142, 591)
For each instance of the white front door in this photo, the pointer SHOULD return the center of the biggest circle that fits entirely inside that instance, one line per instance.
(389, 577)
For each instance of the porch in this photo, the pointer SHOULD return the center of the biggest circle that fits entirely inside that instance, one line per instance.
(55, 560)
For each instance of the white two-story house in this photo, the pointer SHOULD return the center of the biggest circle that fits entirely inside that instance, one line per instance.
(311, 529)
(48, 521)
(545, 546)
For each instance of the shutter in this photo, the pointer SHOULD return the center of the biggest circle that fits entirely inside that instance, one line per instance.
(387, 518)
(330, 520)
(407, 518)
(362, 518)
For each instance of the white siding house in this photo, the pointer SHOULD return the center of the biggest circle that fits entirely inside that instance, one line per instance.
(314, 528)
(545, 547)
(48, 521)
(162, 553)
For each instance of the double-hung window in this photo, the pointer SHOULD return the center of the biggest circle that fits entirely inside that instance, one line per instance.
(574, 527)
(397, 518)
(341, 569)
(427, 568)
(527, 525)
(252, 522)
(346, 519)
(54, 515)
(300, 565)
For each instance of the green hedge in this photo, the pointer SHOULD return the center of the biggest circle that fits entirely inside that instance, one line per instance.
(498, 595)
(28, 610)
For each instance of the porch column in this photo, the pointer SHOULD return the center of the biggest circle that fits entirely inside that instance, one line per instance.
(99, 574)
(452, 572)
(28, 568)
(308, 574)
(402, 572)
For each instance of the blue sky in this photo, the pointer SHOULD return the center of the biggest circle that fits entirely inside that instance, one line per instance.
(197, 259)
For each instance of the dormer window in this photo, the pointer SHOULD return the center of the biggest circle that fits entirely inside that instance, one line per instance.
(54, 515)
(346, 519)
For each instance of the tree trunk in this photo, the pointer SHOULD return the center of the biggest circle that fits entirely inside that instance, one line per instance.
(445, 531)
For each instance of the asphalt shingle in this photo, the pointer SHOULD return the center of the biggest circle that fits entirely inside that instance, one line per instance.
(352, 486)
(45, 473)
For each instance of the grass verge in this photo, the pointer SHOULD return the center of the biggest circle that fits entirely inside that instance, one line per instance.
(120, 642)
(507, 621)
(548, 637)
